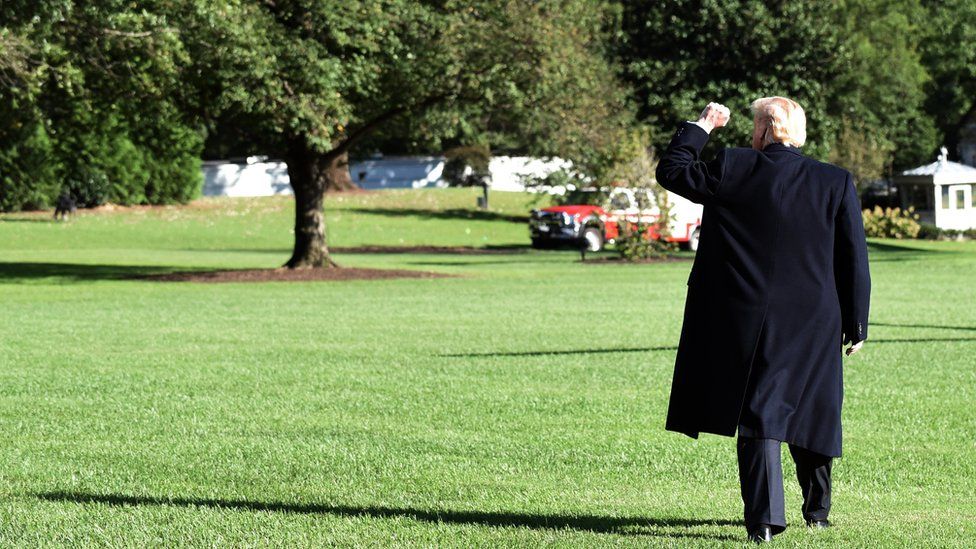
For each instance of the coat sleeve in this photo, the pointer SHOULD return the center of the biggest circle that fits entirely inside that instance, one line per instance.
(682, 172)
(851, 266)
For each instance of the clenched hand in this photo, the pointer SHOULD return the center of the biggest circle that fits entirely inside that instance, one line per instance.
(714, 116)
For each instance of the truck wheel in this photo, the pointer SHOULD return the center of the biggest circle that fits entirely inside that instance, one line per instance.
(693, 241)
(593, 239)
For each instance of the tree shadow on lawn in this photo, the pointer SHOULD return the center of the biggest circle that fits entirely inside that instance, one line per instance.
(627, 526)
(453, 213)
(674, 348)
(21, 271)
(45, 219)
(562, 352)
(921, 340)
(894, 252)
(933, 326)
(460, 263)
(895, 248)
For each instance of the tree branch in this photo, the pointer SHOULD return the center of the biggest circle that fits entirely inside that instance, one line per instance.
(382, 118)
(140, 34)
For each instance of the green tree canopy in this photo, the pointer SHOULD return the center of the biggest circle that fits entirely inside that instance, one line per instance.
(310, 80)
(948, 51)
(853, 65)
(87, 104)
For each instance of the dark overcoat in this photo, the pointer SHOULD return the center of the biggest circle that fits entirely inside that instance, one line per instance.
(779, 283)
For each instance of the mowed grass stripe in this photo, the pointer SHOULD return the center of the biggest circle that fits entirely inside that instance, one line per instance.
(520, 404)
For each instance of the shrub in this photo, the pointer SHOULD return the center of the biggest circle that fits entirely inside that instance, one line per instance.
(634, 243)
(467, 166)
(931, 232)
(56, 135)
(891, 223)
(27, 169)
(171, 152)
(89, 187)
(928, 231)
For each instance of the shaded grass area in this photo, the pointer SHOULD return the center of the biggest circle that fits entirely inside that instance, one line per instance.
(594, 524)
(519, 405)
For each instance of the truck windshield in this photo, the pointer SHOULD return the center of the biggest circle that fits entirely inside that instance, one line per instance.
(619, 201)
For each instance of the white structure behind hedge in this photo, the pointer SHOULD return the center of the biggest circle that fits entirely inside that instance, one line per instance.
(258, 177)
(254, 177)
(943, 193)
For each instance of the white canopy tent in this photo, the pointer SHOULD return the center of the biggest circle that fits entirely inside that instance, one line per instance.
(943, 193)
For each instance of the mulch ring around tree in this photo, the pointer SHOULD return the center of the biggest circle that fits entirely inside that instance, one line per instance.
(293, 275)
(460, 250)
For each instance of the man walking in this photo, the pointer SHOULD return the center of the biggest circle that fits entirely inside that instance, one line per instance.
(780, 282)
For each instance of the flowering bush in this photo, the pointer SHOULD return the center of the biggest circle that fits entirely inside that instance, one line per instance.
(891, 223)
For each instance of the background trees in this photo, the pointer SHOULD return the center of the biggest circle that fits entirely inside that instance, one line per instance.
(860, 68)
(87, 104)
(116, 101)
(309, 81)
(948, 52)
(680, 55)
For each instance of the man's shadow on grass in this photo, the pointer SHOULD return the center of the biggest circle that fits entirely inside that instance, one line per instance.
(932, 326)
(627, 526)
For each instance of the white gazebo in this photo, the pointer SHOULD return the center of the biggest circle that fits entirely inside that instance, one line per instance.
(943, 193)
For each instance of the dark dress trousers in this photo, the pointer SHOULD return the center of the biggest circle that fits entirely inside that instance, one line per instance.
(761, 479)
(779, 283)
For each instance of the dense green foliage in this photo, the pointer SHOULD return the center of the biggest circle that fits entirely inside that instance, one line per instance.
(90, 106)
(854, 65)
(406, 76)
(949, 53)
(681, 55)
(479, 411)
(114, 100)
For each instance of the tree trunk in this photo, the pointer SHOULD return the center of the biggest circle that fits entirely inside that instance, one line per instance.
(337, 173)
(310, 174)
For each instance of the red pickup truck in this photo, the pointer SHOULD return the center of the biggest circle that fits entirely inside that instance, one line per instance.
(591, 227)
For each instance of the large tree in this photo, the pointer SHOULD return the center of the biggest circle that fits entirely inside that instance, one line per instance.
(311, 80)
(880, 96)
(948, 50)
(852, 64)
(680, 55)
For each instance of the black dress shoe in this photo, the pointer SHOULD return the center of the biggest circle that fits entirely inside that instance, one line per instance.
(818, 524)
(761, 533)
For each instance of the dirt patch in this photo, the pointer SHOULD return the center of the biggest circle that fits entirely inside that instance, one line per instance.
(460, 250)
(293, 275)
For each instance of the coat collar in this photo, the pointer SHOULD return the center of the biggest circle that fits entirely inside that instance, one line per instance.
(778, 147)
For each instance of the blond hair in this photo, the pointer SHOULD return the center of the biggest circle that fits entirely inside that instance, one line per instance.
(784, 120)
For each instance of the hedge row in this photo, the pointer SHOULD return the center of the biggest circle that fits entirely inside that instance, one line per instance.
(96, 158)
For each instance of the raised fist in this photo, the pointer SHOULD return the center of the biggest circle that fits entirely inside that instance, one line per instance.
(715, 115)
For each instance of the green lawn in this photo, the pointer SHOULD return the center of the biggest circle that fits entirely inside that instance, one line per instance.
(521, 403)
